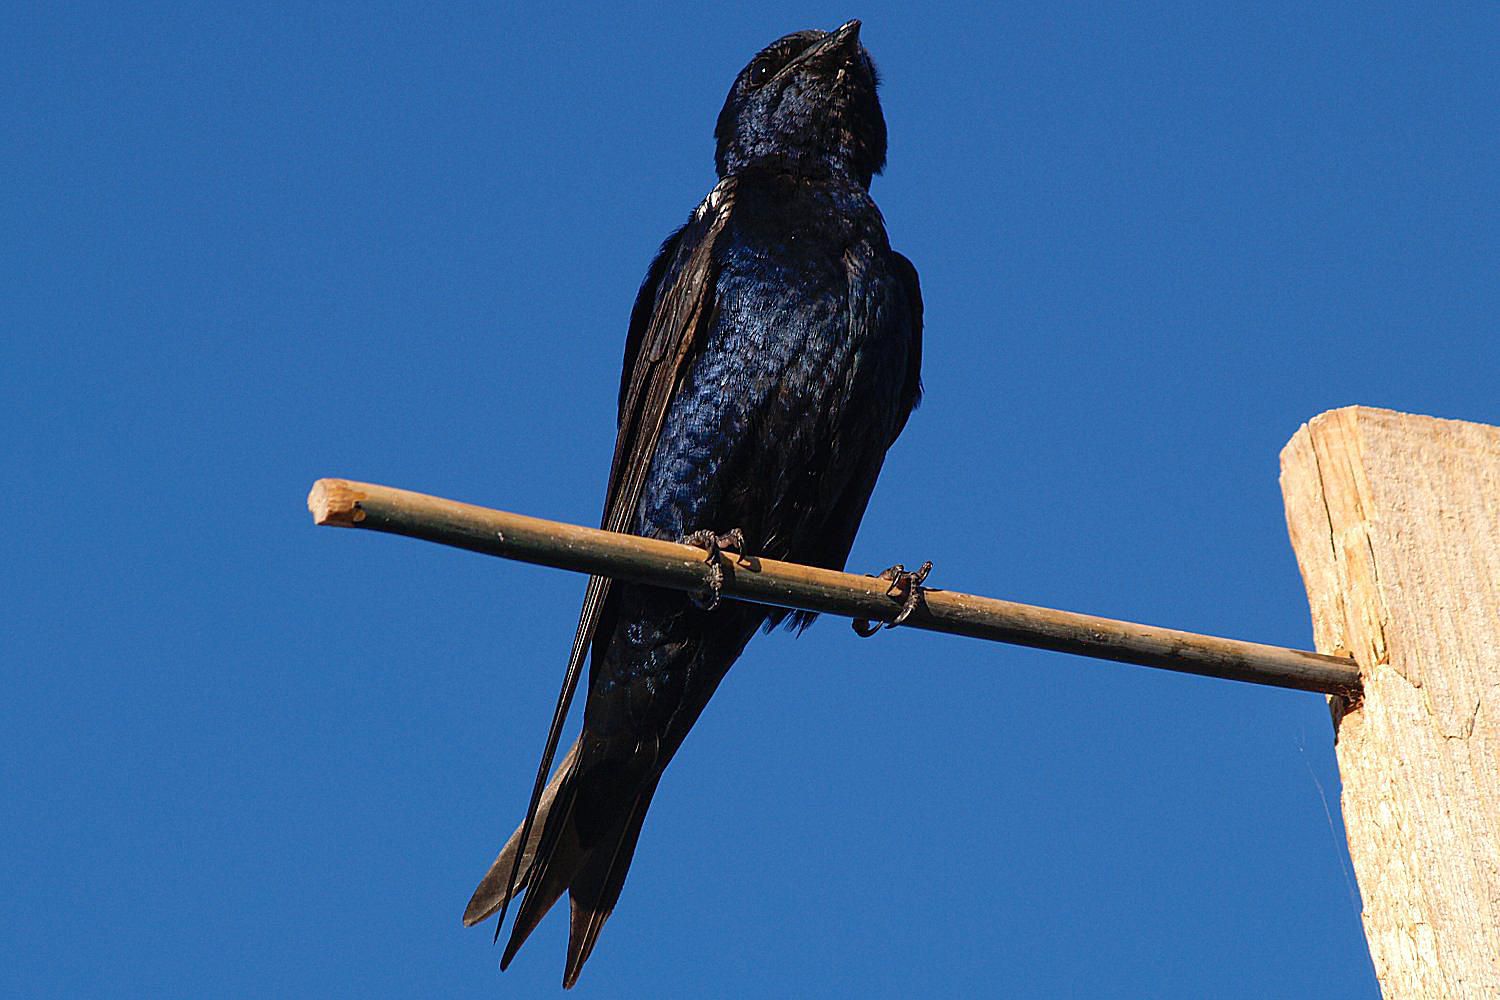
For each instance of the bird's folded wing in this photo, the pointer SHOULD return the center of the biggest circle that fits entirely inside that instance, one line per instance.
(666, 330)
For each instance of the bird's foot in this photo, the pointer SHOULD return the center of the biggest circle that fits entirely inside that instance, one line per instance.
(716, 545)
(905, 587)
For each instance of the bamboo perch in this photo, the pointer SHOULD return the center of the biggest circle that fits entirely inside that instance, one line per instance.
(349, 504)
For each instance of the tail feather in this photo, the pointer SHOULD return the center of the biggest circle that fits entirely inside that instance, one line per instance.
(490, 894)
(558, 856)
(596, 887)
(582, 842)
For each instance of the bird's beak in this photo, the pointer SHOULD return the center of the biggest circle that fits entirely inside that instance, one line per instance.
(840, 45)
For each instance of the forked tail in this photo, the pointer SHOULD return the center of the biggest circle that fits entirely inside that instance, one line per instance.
(582, 841)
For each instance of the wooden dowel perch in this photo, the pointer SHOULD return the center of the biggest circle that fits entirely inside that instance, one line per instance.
(764, 581)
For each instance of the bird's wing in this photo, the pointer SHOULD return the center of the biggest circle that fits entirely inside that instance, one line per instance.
(851, 461)
(912, 287)
(666, 327)
(671, 313)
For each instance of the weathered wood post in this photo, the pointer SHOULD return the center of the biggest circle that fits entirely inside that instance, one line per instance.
(1396, 523)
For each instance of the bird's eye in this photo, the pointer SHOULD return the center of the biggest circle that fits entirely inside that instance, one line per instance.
(760, 73)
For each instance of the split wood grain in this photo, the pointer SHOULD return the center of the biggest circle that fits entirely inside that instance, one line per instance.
(1395, 520)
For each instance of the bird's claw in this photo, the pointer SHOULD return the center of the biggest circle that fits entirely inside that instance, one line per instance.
(716, 545)
(905, 586)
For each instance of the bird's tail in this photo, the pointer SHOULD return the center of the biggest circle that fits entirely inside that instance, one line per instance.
(582, 842)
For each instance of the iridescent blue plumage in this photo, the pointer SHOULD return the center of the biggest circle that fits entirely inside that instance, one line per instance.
(772, 358)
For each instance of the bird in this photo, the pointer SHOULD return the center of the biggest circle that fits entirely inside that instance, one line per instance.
(772, 357)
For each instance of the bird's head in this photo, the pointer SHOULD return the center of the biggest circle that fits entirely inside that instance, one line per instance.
(806, 102)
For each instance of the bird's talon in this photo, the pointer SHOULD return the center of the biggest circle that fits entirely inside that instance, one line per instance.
(716, 545)
(905, 586)
(709, 598)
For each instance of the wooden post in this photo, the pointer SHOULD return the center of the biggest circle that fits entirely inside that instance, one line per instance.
(1396, 523)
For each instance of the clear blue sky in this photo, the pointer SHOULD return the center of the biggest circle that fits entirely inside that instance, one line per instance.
(244, 249)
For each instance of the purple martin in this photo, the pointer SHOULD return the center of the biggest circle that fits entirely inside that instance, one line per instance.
(772, 358)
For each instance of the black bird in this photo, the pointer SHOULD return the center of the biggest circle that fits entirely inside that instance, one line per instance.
(773, 356)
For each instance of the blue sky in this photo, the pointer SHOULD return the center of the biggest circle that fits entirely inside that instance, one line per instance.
(248, 246)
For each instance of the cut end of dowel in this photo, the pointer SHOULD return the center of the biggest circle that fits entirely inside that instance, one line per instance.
(335, 502)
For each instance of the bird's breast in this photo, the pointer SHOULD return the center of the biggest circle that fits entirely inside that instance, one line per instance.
(793, 356)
